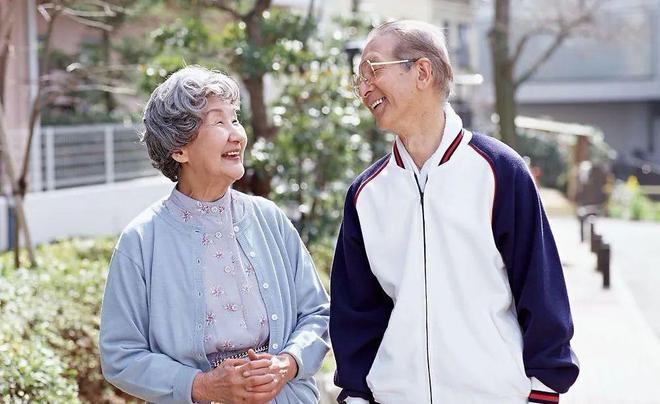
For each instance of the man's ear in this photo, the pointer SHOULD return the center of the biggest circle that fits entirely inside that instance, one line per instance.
(424, 73)
(180, 155)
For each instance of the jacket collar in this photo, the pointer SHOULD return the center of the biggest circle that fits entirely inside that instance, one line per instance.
(451, 138)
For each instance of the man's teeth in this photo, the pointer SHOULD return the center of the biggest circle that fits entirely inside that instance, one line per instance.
(377, 102)
(231, 154)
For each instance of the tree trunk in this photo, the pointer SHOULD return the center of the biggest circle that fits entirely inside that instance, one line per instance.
(21, 220)
(108, 98)
(505, 89)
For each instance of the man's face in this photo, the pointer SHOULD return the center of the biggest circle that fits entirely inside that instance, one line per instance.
(390, 92)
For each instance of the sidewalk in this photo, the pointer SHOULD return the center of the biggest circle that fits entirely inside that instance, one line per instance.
(619, 353)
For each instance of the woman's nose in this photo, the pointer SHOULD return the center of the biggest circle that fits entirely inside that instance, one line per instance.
(237, 134)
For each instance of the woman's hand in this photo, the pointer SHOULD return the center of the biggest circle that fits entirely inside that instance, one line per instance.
(281, 368)
(228, 384)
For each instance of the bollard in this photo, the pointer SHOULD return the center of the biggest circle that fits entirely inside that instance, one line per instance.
(596, 241)
(603, 263)
(592, 233)
(586, 214)
(582, 219)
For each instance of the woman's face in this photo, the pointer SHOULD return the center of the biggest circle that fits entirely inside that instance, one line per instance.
(216, 154)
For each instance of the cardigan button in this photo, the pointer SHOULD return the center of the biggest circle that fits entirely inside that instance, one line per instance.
(275, 346)
(236, 228)
(253, 254)
(265, 285)
(274, 317)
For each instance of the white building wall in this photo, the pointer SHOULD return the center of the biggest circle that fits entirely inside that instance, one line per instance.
(86, 211)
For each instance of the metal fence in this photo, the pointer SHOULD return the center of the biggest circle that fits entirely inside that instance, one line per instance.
(72, 156)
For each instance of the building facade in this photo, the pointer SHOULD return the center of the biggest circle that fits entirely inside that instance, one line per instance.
(606, 76)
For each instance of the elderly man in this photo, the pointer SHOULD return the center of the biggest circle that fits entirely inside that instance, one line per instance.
(446, 282)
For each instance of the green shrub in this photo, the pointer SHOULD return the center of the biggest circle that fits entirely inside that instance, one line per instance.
(627, 201)
(546, 153)
(49, 324)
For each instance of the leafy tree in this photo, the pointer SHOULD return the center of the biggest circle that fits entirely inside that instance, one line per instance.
(314, 137)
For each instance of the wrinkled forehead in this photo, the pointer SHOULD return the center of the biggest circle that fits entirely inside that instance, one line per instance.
(379, 48)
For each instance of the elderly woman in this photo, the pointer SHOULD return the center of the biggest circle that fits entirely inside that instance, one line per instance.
(211, 295)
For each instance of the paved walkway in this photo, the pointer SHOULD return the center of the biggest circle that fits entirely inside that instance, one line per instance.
(618, 351)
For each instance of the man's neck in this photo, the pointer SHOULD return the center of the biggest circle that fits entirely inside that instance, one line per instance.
(423, 140)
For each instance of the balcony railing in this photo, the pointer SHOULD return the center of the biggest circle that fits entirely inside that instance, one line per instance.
(72, 156)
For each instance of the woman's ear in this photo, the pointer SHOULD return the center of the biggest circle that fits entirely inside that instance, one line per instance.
(180, 155)
(424, 73)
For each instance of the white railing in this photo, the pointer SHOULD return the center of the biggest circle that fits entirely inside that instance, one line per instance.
(71, 156)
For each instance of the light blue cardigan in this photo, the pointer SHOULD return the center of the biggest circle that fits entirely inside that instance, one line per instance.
(153, 312)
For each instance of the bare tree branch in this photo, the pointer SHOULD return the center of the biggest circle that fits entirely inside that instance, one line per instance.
(5, 157)
(6, 24)
(258, 9)
(86, 21)
(36, 104)
(222, 5)
(565, 31)
(522, 42)
(89, 14)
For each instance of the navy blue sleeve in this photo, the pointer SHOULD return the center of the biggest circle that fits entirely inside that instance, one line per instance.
(359, 309)
(523, 237)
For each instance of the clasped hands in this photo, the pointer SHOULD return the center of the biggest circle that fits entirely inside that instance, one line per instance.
(256, 379)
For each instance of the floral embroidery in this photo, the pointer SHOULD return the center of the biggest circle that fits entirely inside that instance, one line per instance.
(217, 291)
(262, 321)
(221, 210)
(210, 318)
(186, 215)
(218, 254)
(229, 269)
(246, 288)
(227, 345)
(218, 234)
(249, 269)
(201, 208)
(206, 240)
(232, 235)
(231, 307)
(234, 259)
(243, 324)
(214, 209)
(207, 338)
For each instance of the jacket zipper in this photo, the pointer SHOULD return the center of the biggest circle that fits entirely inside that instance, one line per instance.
(426, 300)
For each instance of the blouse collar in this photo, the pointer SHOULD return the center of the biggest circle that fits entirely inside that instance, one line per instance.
(189, 210)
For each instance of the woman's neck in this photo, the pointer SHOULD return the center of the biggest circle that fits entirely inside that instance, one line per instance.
(202, 192)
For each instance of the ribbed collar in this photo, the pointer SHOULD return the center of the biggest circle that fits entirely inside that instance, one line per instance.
(453, 129)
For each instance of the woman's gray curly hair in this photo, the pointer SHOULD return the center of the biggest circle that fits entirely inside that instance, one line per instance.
(173, 114)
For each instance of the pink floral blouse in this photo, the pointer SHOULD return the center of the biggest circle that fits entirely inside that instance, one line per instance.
(235, 313)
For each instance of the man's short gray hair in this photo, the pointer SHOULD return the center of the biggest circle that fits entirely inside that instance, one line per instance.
(173, 114)
(418, 39)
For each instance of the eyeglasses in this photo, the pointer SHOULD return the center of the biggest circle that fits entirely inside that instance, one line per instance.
(367, 77)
